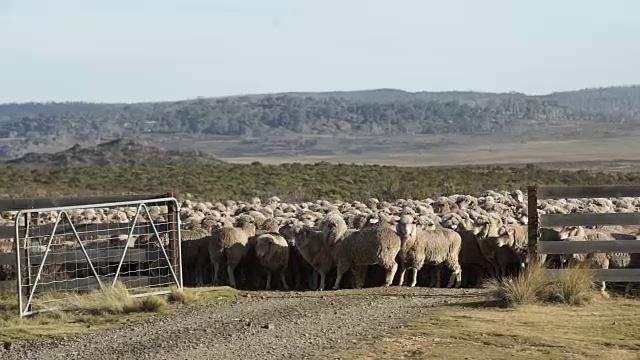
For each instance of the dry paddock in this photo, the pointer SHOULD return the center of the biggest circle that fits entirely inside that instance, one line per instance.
(257, 325)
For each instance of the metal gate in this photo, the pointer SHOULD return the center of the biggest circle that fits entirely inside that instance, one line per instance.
(66, 250)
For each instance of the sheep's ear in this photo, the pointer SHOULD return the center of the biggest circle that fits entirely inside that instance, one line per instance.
(502, 230)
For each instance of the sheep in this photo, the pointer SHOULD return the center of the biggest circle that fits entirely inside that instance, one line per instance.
(439, 246)
(272, 253)
(195, 253)
(494, 251)
(412, 252)
(270, 225)
(595, 260)
(634, 263)
(310, 243)
(515, 237)
(346, 256)
(7, 271)
(472, 262)
(230, 244)
(484, 229)
(355, 249)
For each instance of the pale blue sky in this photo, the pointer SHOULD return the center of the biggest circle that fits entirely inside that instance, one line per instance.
(142, 50)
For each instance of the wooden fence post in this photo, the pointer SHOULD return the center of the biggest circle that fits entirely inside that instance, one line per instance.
(533, 223)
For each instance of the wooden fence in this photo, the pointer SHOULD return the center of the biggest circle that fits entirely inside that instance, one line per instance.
(537, 247)
(105, 255)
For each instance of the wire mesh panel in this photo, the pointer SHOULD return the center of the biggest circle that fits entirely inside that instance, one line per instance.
(77, 249)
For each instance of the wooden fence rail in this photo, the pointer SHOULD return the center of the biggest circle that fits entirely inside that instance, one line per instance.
(536, 221)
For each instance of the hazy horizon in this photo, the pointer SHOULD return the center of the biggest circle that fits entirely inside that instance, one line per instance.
(148, 51)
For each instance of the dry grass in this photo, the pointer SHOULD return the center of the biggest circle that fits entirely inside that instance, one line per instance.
(450, 150)
(96, 311)
(571, 286)
(603, 329)
(184, 296)
(116, 300)
(526, 288)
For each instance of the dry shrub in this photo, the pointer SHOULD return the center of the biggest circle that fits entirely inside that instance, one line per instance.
(116, 300)
(524, 289)
(573, 285)
(184, 296)
(152, 304)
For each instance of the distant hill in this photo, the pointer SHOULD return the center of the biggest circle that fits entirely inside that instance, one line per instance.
(619, 99)
(33, 126)
(396, 95)
(117, 152)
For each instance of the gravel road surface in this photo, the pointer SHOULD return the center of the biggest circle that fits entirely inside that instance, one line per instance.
(255, 325)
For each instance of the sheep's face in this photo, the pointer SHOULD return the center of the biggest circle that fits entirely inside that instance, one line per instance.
(565, 259)
(248, 225)
(504, 237)
(405, 227)
(569, 232)
(481, 227)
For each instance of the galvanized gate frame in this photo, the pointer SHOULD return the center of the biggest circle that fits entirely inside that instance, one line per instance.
(26, 309)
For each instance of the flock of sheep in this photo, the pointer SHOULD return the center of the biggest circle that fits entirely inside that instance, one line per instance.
(465, 238)
(457, 240)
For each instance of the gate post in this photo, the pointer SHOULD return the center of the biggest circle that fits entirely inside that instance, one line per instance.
(533, 224)
(173, 215)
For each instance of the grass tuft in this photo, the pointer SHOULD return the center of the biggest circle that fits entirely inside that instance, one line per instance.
(151, 304)
(524, 289)
(116, 300)
(184, 296)
(571, 286)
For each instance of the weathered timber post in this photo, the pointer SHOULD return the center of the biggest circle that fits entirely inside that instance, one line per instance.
(533, 223)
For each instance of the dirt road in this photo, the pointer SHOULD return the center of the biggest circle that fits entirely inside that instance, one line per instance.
(263, 325)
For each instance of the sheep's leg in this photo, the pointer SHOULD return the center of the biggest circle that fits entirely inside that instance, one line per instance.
(363, 275)
(216, 270)
(232, 277)
(414, 277)
(627, 289)
(312, 280)
(284, 281)
(603, 286)
(391, 273)
(341, 269)
(197, 277)
(339, 274)
(322, 280)
(456, 276)
(297, 278)
(200, 275)
(401, 276)
(359, 275)
(268, 285)
(434, 280)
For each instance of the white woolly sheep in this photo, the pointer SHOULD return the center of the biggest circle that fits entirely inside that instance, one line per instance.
(230, 244)
(355, 249)
(272, 252)
(439, 246)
